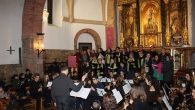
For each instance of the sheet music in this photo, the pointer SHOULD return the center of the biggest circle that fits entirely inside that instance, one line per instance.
(49, 84)
(127, 88)
(169, 107)
(100, 92)
(117, 95)
(109, 80)
(82, 93)
(76, 84)
(126, 81)
(103, 79)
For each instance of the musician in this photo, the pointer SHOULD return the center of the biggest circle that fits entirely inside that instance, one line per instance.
(109, 102)
(122, 68)
(96, 83)
(179, 97)
(93, 95)
(108, 57)
(148, 64)
(36, 90)
(46, 91)
(131, 66)
(100, 67)
(140, 60)
(157, 68)
(153, 93)
(112, 68)
(93, 62)
(123, 57)
(23, 87)
(117, 56)
(188, 83)
(193, 99)
(137, 100)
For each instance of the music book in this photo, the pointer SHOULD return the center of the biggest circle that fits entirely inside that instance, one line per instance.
(117, 95)
(49, 84)
(100, 92)
(82, 93)
(166, 103)
(126, 81)
(127, 88)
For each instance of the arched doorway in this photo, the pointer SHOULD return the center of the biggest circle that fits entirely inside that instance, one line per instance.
(93, 33)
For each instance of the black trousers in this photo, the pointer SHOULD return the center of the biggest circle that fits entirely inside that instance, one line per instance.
(62, 103)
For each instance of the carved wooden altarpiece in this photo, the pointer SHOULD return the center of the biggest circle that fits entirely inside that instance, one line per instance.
(157, 23)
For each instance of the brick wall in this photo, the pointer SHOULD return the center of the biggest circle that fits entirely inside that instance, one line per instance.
(51, 55)
(6, 71)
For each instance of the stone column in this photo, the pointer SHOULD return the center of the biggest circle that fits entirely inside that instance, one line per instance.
(30, 55)
(31, 25)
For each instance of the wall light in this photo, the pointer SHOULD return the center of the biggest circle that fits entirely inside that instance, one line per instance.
(38, 44)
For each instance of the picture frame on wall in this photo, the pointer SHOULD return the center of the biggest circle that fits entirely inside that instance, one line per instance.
(85, 46)
(177, 59)
(193, 59)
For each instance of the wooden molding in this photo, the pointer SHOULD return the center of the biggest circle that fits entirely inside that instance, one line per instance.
(103, 3)
(70, 5)
(84, 21)
(66, 19)
(89, 21)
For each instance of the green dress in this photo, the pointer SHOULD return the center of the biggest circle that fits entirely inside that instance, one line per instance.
(158, 72)
(158, 77)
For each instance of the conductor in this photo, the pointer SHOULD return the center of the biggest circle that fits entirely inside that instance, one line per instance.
(61, 87)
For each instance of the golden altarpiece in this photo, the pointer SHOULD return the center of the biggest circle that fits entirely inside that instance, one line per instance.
(156, 23)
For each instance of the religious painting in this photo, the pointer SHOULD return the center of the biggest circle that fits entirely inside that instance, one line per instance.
(193, 59)
(150, 23)
(175, 23)
(85, 46)
(177, 59)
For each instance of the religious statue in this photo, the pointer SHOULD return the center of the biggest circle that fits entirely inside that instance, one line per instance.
(175, 26)
(151, 25)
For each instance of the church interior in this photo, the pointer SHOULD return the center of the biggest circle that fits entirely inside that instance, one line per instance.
(141, 51)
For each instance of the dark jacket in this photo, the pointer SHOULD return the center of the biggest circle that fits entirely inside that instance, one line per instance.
(61, 87)
(34, 86)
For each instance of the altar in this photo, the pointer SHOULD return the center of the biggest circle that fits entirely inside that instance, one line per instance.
(153, 23)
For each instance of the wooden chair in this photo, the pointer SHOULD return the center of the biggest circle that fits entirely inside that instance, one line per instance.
(31, 105)
(3, 104)
(52, 107)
